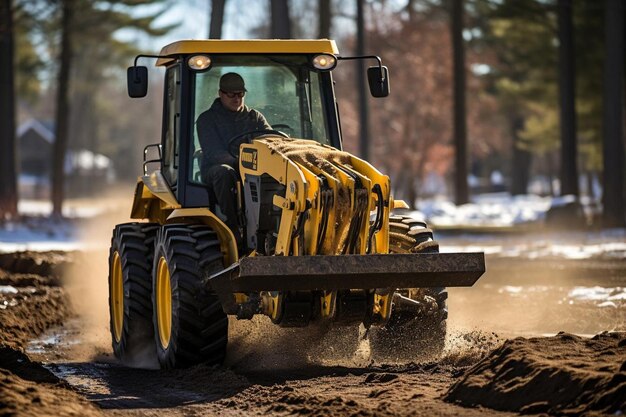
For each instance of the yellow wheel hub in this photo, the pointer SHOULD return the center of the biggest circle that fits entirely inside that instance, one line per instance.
(117, 297)
(164, 302)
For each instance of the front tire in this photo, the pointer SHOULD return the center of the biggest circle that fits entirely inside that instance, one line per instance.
(190, 325)
(130, 288)
(411, 334)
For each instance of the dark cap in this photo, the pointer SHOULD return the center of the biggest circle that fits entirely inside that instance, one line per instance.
(231, 82)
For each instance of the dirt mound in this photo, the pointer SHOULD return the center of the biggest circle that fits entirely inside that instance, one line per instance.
(29, 311)
(31, 299)
(47, 264)
(28, 389)
(564, 374)
(20, 365)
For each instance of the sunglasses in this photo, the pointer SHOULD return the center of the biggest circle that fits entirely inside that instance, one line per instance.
(233, 95)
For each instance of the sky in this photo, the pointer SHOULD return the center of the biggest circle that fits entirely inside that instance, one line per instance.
(241, 16)
(193, 17)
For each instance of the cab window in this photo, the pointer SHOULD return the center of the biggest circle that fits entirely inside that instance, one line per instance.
(284, 88)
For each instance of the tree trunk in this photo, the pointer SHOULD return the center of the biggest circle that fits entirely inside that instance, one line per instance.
(281, 25)
(8, 147)
(400, 190)
(550, 175)
(62, 110)
(613, 151)
(410, 10)
(589, 183)
(567, 95)
(411, 197)
(521, 161)
(217, 18)
(325, 19)
(461, 188)
(364, 139)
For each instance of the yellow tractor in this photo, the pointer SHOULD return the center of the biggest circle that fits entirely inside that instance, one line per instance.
(321, 245)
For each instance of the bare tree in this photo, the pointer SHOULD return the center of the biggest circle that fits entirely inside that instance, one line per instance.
(569, 171)
(281, 23)
(613, 151)
(62, 108)
(325, 16)
(8, 148)
(461, 190)
(217, 18)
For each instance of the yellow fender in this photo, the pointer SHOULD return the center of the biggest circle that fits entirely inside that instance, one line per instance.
(155, 202)
(228, 243)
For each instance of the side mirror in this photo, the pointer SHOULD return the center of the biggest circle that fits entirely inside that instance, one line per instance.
(378, 81)
(137, 80)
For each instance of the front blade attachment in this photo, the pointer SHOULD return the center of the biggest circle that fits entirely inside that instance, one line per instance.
(309, 273)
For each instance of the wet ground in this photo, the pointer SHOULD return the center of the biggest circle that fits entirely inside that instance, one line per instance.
(529, 298)
(269, 373)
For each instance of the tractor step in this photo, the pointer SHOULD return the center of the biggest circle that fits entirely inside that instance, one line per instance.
(324, 272)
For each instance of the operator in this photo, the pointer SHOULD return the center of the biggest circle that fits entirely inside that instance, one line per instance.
(227, 117)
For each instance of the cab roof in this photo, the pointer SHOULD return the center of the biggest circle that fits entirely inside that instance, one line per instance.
(248, 46)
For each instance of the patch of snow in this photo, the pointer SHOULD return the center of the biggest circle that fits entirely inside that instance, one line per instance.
(497, 209)
(501, 210)
(557, 245)
(44, 208)
(452, 248)
(511, 289)
(523, 292)
(43, 235)
(617, 249)
(598, 294)
(8, 289)
(607, 304)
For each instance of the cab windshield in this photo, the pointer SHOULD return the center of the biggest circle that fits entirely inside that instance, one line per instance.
(284, 88)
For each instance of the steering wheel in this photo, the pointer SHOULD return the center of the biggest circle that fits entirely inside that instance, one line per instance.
(285, 128)
(234, 151)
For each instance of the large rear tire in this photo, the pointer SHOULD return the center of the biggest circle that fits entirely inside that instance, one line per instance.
(412, 333)
(130, 289)
(190, 325)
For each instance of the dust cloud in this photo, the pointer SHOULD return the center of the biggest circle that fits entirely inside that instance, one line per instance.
(87, 278)
(258, 344)
(465, 348)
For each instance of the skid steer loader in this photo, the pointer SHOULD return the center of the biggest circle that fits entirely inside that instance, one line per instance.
(321, 244)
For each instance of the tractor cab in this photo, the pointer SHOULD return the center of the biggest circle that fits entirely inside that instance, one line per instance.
(289, 82)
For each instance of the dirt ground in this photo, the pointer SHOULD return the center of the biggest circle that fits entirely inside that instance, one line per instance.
(33, 300)
(503, 355)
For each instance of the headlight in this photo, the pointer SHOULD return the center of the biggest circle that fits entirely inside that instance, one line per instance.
(199, 62)
(324, 62)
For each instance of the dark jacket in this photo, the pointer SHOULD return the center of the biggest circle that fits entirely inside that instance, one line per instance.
(218, 125)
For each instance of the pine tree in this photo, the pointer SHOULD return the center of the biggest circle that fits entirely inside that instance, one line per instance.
(96, 27)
